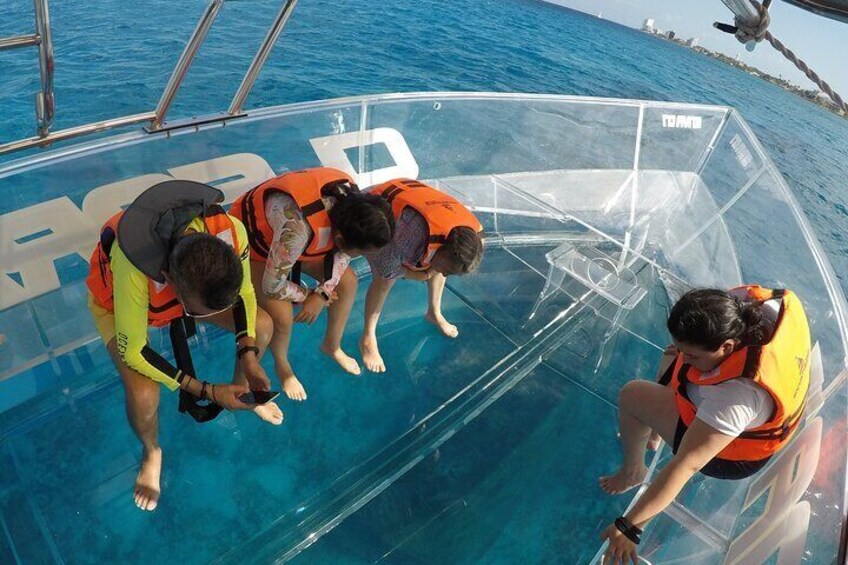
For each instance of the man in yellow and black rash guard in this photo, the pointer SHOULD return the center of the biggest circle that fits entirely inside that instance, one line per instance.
(174, 252)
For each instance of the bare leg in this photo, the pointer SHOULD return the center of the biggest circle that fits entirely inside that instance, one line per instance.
(281, 314)
(435, 290)
(269, 412)
(264, 331)
(667, 359)
(643, 406)
(375, 299)
(337, 315)
(142, 403)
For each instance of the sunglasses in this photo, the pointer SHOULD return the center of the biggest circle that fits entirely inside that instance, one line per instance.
(191, 314)
(195, 315)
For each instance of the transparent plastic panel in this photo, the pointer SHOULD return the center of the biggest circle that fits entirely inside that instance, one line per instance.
(38, 254)
(428, 457)
(451, 137)
(787, 263)
(734, 162)
(473, 500)
(678, 139)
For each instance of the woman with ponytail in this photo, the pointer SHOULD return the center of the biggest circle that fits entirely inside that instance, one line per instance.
(313, 221)
(731, 391)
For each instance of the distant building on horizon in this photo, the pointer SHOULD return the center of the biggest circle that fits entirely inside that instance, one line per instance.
(669, 34)
(692, 42)
(649, 26)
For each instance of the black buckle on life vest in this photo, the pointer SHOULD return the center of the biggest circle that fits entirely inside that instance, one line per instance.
(181, 329)
(392, 193)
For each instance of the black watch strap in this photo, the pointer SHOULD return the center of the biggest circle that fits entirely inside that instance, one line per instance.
(627, 528)
(245, 348)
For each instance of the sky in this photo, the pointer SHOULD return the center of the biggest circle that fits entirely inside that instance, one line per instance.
(822, 43)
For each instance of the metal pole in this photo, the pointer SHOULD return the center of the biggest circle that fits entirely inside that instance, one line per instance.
(44, 102)
(743, 9)
(19, 41)
(261, 56)
(181, 68)
(70, 133)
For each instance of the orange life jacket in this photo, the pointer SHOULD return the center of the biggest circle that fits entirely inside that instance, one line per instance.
(442, 212)
(781, 366)
(163, 303)
(306, 188)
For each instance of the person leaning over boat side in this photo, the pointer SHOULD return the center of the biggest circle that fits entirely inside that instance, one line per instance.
(436, 236)
(174, 252)
(731, 393)
(314, 220)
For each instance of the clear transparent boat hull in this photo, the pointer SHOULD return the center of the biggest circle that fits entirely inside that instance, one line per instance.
(598, 215)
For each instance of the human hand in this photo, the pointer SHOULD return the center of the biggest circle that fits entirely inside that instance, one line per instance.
(310, 309)
(420, 276)
(671, 350)
(333, 296)
(255, 374)
(227, 396)
(621, 549)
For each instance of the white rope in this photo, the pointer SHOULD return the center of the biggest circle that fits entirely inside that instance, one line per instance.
(758, 30)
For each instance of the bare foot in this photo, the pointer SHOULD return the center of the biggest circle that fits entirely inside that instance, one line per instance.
(654, 441)
(624, 480)
(270, 413)
(344, 360)
(146, 493)
(293, 388)
(444, 326)
(371, 355)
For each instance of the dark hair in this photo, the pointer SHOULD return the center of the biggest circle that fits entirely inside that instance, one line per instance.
(708, 317)
(464, 247)
(363, 220)
(206, 267)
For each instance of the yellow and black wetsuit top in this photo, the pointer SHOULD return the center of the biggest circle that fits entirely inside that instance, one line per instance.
(131, 303)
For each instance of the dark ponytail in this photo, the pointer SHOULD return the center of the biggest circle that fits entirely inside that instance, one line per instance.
(756, 328)
(363, 220)
(464, 246)
(707, 318)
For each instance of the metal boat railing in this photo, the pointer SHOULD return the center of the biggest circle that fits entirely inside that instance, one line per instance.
(45, 105)
(44, 100)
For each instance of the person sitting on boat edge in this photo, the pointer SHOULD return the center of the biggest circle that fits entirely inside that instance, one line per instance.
(436, 236)
(172, 253)
(315, 220)
(731, 394)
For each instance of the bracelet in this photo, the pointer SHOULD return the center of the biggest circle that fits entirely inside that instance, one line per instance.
(245, 348)
(212, 390)
(627, 528)
(203, 391)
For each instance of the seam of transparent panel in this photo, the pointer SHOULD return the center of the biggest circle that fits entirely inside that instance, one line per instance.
(598, 214)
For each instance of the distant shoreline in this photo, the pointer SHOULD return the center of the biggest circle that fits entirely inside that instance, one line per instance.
(818, 98)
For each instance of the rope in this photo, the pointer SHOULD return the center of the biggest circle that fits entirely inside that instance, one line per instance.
(746, 31)
(811, 74)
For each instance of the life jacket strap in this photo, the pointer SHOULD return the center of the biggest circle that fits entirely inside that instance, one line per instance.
(181, 329)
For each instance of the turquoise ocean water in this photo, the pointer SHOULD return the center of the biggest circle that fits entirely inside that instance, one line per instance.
(63, 500)
(113, 58)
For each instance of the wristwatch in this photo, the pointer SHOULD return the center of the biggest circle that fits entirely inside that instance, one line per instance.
(325, 296)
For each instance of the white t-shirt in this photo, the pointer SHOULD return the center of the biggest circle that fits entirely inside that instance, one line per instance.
(737, 405)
